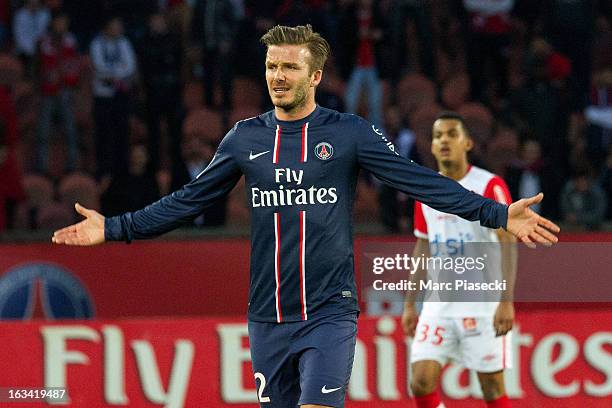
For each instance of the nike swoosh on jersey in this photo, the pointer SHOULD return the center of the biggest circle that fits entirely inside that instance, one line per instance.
(254, 156)
(325, 390)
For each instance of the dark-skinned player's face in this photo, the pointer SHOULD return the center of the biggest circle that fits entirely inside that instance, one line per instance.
(288, 76)
(450, 143)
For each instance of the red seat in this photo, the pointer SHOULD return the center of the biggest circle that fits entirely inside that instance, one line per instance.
(54, 216)
(479, 120)
(81, 188)
(11, 70)
(242, 113)
(39, 190)
(246, 93)
(456, 91)
(204, 123)
(192, 96)
(415, 90)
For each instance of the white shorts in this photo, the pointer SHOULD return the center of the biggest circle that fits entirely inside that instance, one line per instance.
(469, 341)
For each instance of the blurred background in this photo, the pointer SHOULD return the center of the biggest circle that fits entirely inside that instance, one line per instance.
(117, 102)
(114, 103)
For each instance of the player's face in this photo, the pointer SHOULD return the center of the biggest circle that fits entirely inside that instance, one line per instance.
(290, 82)
(450, 143)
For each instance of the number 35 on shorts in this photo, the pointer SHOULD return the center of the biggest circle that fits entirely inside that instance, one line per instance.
(433, 336)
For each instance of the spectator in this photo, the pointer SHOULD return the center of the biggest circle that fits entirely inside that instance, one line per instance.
(583, 202)
(84, 20)
(488, 28)
(161, 60)
(59, 76)
(133, 189)
(4, 21)
(114, 68)
(29, 25)
(11, 183)
(541, 108)
(599, 117)
(605, 180)
(8, 117)
(569, 26)
(214, 29)
(361, 17)
(197, 153)
(524, 177)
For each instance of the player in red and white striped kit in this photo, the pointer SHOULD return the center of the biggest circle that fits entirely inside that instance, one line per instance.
(476, 334)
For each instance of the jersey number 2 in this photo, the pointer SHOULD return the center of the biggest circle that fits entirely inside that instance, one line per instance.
(262, 385)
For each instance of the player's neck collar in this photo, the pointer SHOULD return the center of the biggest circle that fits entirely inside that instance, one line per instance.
(297, 122)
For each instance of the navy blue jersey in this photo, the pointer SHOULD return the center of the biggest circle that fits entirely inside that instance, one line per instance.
(300, 179)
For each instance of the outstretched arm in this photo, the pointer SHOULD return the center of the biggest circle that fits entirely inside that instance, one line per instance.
(377, 155)
(90, 231)
(528, 226)
(164, 215)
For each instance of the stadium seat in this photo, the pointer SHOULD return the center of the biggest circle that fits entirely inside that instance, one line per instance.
(502, 150)
(246, 93)
(81, 188)
(54, 215)
(25, 98)
(204, 123)
(11, 70)
(39, 190)
(456, 91)
(39, 193)
(192, 96)
(479, 120)
(415, 90)
(242, 113)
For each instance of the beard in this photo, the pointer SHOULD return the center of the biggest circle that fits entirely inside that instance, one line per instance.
(299, 98)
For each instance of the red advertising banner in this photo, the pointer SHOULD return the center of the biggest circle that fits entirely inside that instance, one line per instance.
(561, 359)
(152, 278)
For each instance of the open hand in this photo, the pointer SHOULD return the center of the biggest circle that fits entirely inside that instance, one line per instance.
(90, 231)
(528, 226)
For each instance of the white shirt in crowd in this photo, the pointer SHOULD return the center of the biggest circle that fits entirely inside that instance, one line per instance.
(114, 65)
(28, 28)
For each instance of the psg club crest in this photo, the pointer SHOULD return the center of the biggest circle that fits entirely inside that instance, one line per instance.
(324, 151)
(43, 291)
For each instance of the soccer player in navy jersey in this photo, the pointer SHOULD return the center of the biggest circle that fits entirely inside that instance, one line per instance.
(301, 163)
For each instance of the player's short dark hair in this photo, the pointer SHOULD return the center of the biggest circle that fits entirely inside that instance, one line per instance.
(300, 35)
(452, 115)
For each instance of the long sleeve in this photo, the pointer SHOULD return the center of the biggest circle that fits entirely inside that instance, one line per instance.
(377, 154)
(102, 70)
(127, 67)
(183, 205)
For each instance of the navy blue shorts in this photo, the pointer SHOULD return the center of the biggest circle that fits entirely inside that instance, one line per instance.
(307, 362)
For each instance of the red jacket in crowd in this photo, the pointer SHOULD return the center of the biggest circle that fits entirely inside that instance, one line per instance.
(59, 63)
(11, 183)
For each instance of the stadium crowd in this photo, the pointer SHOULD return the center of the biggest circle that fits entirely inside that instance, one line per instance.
(114, 103)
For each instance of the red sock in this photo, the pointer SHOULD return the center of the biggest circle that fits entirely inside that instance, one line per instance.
(429, 401)
(501, 402)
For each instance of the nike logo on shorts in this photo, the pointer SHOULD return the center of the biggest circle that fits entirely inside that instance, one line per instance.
(326, 390)
(254, 156)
